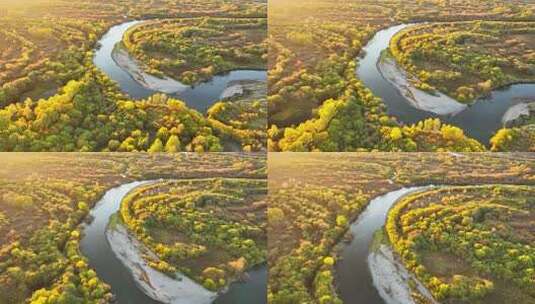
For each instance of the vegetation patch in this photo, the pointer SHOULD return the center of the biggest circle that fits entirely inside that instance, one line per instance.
(40, 260)
(209, 229)
(243, 117)
(478, 237)
(317, 103)
(314, 197)
(192, 50)
(466, 60)
(512, 139)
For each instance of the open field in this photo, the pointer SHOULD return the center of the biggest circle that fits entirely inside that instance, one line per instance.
(45, 197)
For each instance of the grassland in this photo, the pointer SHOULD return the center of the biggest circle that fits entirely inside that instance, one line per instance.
(316, 102)
(52, 98)
(210, 229)
(314, 197)
(44, 198)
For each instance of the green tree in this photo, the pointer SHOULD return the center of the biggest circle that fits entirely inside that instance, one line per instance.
(157, 146)
(173, 144)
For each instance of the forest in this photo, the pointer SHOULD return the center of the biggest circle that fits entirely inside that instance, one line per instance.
(314, 197)
(193, 50)
(317, 103)
(470, 244)
(45, 197)
(53, 98)
(212, 230)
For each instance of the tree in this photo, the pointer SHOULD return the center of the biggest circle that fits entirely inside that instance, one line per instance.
(163, 133)
(156, 146)
(173, 144)
(396, 134)
(341, 221)
(452, 133)
(275, 215)
(329, 261)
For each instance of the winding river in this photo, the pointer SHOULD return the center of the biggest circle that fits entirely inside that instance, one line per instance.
(355, 283)
(95, 246)
(199, 97)
(479, 120)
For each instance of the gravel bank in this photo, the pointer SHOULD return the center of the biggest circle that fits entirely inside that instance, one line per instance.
(392, 279)
(517, 111)
(127, 63)
(155, 284)
(440, 104)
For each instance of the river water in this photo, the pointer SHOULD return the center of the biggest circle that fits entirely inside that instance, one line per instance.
(199, 97)
(480, 120)
(353, 277)
(94, 245)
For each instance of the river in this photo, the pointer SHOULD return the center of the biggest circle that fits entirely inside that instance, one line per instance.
(354, 279)
(199, 97)
(95, 246)
(480, 120)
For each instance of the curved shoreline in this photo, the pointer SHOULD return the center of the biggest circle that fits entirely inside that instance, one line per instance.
(95, 246)
(517, 112)
(167, 85)
(137, 71)
(391, 277)
(118, 258)
(130, 65)
(479, 97)
(114, 60)
(479, 120)
(153, 283)
(378, 273)
(438, 103)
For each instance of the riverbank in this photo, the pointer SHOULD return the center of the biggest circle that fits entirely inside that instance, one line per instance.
(479, 120)
(515, 114)
(233, 89)
(361, 260)
(392, 279)
(437, 103)
(155, 284)
(244, 91)
(165, 85)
